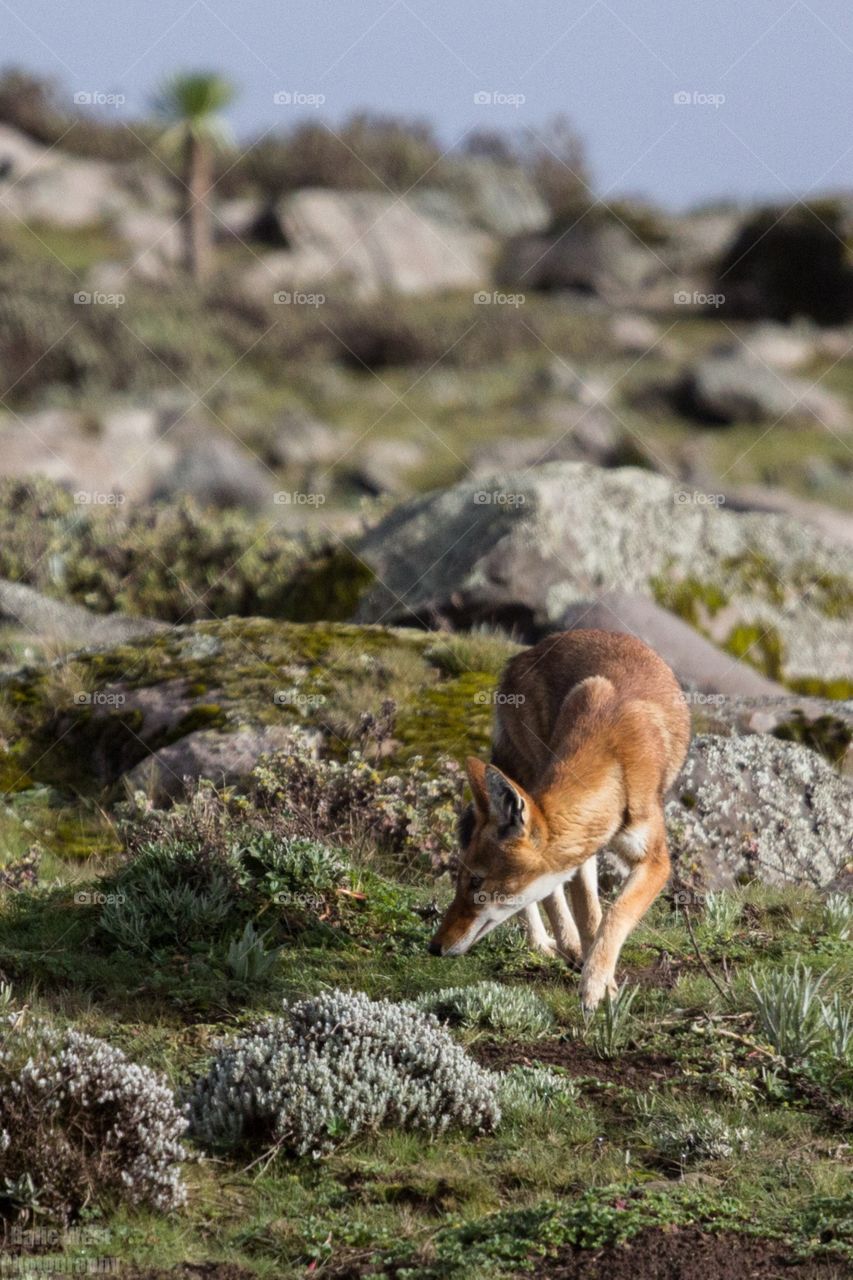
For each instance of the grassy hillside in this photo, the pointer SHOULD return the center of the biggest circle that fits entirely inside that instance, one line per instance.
(683, 1107)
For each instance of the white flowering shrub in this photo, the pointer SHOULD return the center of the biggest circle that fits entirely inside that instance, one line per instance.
(79, 1121)
(490, 1006)
(527, 1089)
(334, 1066)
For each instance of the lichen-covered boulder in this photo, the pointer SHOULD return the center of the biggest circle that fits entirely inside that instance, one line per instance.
(754, 807)
(210, 698)
(521, 547)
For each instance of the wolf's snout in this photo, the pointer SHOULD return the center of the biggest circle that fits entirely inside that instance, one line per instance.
(434, 948)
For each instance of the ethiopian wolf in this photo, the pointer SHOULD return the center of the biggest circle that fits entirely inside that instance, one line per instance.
(584, 750)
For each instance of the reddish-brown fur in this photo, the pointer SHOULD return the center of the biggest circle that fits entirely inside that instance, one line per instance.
(591, 729)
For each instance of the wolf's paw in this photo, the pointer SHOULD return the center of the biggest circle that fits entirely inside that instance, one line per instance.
(570, 955)
(544, 947)
(595, 985)
(555, 950)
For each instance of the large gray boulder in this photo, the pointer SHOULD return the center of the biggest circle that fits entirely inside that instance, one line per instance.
(520, 548)
(699, 665)
(599, 258)
(373, 243)
(753, 807)
(43, 184)
(118, 453)
(735, 387)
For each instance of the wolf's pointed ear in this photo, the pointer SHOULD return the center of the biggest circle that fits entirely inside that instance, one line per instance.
(507, 804)
(476, 771)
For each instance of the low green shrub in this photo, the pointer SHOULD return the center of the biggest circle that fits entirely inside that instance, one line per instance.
(721, 915)
(838, 916)
(202, 871)
(248, 959)
(610, 1030)
(170, 895)
(787, 1002)
(167, 562)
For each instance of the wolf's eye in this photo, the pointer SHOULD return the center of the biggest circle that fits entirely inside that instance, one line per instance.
(476, 883)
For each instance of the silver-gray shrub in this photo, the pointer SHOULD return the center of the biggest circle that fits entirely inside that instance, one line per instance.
(334, 1066)
(703, 1137)
(491, 1006)
(688, 1133)
(79, 1122)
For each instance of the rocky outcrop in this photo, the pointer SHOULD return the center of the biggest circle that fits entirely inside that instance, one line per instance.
(41, 184)
(747, 808)
(47, 185)
(520, 548)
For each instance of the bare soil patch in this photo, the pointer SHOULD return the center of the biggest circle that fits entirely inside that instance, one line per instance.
(633, 1067)
(688, 1253)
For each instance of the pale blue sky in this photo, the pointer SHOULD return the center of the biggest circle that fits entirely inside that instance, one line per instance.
(785, 71)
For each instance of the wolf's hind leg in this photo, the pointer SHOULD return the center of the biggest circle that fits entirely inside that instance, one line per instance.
(538, 937)
(586, 909)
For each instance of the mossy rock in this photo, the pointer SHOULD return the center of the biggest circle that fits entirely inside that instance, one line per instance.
(238, 673)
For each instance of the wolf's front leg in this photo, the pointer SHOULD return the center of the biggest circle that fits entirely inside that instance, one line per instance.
(648, 877)
(565, 942)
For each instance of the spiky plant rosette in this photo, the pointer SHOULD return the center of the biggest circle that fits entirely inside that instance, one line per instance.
(334, 1066)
